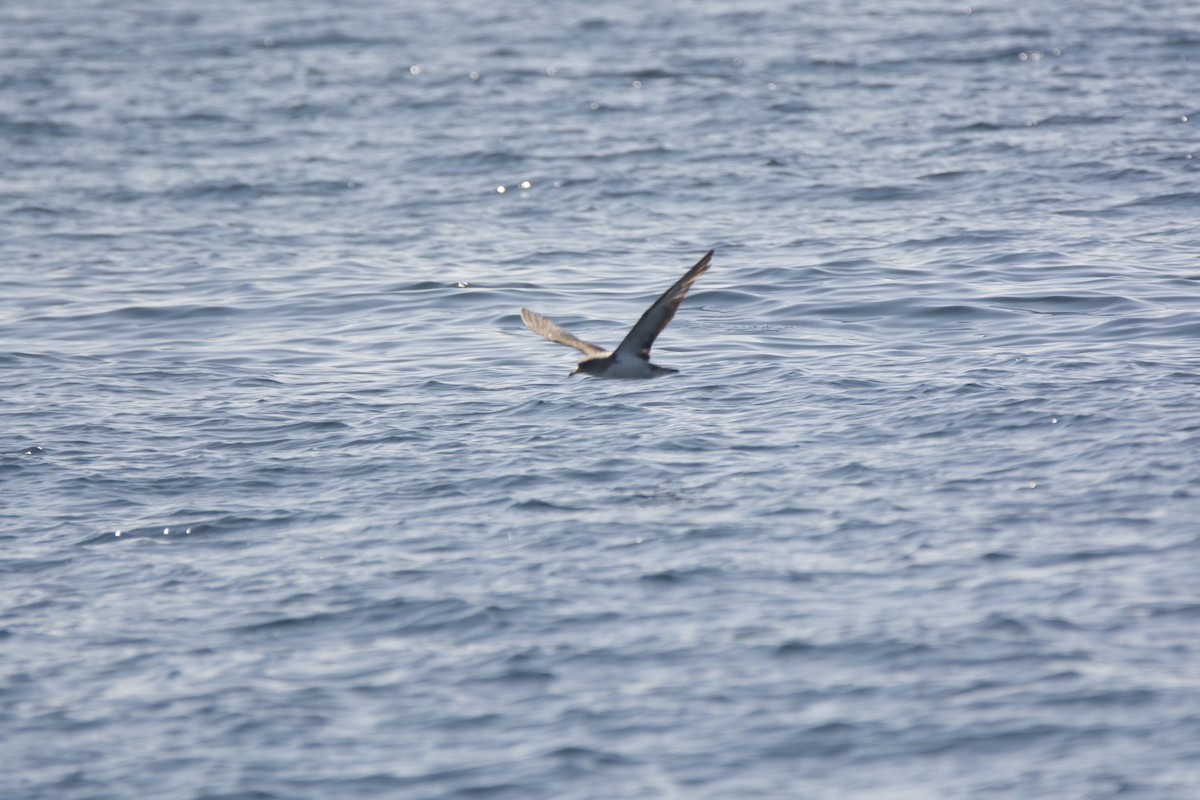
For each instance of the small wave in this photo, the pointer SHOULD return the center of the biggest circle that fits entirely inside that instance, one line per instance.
(543, 506)
(792, 107)
(1067, 303)
(400, 616)
(35, 212)
(1178, 326)
(884, 194)
(198, 527)
(29, 132)
(1172, 199)
(1170, 609)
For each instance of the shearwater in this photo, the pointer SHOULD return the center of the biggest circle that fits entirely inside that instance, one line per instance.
(631, 359)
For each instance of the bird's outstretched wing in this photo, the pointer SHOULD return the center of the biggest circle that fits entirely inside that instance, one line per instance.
(640, 339)
(548, 328)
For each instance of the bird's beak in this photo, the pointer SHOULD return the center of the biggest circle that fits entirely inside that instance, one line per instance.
(571, 374)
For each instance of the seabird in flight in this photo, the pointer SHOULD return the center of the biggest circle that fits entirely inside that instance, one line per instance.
(631, 359)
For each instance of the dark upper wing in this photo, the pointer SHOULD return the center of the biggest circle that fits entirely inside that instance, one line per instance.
(639, 340)
(547, 327)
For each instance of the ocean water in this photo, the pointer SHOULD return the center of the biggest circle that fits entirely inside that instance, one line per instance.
(293, 506)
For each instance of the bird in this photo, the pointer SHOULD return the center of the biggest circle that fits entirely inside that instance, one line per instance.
(631, 359)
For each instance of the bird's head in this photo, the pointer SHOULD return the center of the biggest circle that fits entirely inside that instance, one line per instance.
(589, 366)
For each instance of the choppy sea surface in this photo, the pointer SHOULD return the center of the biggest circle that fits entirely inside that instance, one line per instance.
(293, 506)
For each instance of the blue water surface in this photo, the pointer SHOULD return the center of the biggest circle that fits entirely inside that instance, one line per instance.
(293, 506)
